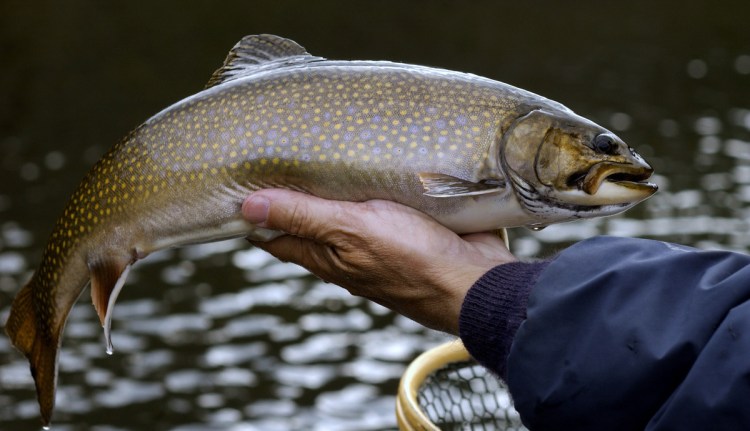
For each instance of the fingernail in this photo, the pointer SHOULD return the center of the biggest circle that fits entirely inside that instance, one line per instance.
(255, 209)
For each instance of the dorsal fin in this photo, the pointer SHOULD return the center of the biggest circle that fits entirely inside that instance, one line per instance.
(259, 52)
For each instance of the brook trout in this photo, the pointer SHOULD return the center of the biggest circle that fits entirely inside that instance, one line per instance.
(473, 153)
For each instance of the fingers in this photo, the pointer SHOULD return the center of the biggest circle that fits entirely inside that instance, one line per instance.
(292, 212)
(316, 257)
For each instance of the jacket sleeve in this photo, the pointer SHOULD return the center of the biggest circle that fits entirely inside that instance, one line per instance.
(629, 334)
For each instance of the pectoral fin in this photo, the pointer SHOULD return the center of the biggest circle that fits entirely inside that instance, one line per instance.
(443, 186)
(107, 278)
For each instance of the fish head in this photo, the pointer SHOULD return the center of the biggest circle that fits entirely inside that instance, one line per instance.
(564, 167)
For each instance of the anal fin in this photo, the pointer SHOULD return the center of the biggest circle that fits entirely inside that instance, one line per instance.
(444, 186)
(107, 278)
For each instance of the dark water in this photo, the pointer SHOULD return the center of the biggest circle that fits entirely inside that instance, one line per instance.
(222, 336)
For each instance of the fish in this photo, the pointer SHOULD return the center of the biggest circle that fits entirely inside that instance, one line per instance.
(474, 153)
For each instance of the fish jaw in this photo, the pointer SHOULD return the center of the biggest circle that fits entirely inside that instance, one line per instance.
(608, 193)
(606, 183)
(611, 184)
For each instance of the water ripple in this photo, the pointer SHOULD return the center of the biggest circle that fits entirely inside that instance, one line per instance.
(124, 392)
(233, 354)
(305, 376)
(352, 320)
(318, 348)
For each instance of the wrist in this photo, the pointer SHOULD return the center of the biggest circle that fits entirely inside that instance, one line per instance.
(494, 308)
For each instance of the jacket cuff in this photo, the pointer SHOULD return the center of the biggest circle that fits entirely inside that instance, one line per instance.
(494, 308)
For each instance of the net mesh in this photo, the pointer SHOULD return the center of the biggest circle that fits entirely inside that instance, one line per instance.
(465, 396)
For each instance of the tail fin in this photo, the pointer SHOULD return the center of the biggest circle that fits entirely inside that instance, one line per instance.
(40, 347)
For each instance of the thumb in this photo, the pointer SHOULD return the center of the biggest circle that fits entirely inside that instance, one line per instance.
(294, 213)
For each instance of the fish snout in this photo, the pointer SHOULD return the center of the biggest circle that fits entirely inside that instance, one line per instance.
(640, 161)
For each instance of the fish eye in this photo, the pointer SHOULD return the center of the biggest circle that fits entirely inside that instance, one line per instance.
(604, 144)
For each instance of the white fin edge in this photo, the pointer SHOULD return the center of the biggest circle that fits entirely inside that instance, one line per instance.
(111, 306)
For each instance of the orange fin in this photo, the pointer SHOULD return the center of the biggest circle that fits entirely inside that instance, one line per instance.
(39, 347)
(107, 279)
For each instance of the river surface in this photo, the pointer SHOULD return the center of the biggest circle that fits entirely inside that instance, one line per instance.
(224, 337)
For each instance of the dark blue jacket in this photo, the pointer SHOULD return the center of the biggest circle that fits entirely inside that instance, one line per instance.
(619, 334)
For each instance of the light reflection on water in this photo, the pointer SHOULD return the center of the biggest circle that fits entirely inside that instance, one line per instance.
(222, 336)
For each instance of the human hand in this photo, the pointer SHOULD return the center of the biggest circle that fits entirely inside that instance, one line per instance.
(389, 253)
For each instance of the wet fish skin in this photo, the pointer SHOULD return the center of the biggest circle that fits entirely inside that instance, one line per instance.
(476, 154)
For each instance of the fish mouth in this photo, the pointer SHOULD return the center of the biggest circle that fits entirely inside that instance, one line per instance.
(623, 175)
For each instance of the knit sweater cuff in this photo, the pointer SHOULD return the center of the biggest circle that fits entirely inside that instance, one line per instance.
(493, 310)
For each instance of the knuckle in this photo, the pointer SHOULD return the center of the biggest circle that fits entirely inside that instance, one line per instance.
(297, 219)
